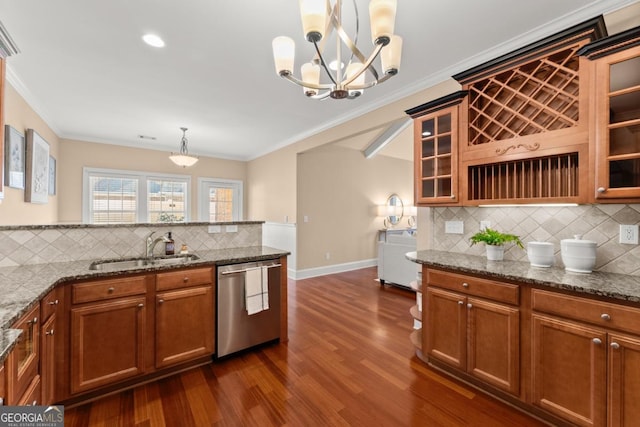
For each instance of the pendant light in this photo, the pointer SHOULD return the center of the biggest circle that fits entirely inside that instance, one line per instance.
(183, 158)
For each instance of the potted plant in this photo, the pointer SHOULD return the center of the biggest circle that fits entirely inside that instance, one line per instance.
(495, 242)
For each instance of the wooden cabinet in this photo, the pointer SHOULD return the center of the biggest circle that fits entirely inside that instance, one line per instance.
(524, 137)
(584, 370)
(616, 122)
(569, 370)
(3, 390)
(23, 361)
(436, 150)
(623, 382)
(48, 313)
(108, 333)
(184, 316)
(470, 333)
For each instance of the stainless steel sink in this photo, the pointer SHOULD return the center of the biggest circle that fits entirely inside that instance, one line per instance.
(123, 264)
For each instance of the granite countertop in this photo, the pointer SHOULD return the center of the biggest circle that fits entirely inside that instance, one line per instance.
(610, 285)
(22, 287)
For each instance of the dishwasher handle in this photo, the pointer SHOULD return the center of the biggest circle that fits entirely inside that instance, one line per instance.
(244, 270)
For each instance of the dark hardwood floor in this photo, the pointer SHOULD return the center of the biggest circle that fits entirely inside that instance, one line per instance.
(349, 362)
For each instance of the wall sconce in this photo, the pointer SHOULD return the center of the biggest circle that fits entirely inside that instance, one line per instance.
(392, 211)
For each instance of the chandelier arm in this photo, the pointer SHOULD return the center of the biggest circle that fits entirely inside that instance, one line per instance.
(324, 64)
(331, 12)
(355, 51)
(299, 82)
(366, 65)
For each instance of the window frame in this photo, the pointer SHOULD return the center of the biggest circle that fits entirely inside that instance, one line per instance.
(238, 194)
(142, 214)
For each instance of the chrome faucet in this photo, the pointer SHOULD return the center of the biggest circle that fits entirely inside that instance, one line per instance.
(151, 243)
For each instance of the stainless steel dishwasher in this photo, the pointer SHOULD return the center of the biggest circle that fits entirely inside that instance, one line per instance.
(236, 329)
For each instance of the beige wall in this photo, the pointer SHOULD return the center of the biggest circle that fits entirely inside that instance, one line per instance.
(13, 209)
(338, 191)
(75, 155)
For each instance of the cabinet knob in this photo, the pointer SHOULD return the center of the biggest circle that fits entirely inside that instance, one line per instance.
(140, 305)
(49, 332)
(160, 301)
(605, 316)
(597, 341)
(469, 305)
(601, 189)
(53, 302)
(185, 280)
(453, 196)
(615, 345)
(111, 289)
(465, 285)
(460, 302)
(32, 321)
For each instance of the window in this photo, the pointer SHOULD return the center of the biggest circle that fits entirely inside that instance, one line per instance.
(219, 200)
(118, 197)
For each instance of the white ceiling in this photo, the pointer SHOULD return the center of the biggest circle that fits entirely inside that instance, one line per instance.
(84, 68)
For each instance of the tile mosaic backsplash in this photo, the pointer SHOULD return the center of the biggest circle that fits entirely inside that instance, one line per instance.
(44, 244)
(599, 223)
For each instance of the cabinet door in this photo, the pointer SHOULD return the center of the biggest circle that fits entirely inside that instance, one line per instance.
(24, 359)
(3, 390)
(494, 344)
(436, 157)
(446, 327)
(107, 342)
(184, 325)
(617, 123)
(569, 370)
(624, 380)
(47, 360)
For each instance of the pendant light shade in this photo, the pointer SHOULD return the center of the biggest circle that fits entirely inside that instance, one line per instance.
(183, 158)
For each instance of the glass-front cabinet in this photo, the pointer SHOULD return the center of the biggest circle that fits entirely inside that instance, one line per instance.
(436, 150)
(617, 122)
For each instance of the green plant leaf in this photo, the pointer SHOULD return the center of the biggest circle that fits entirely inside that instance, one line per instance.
(494, 238)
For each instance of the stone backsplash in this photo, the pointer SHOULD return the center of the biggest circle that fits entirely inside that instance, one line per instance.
(23, 245)
(599, 223)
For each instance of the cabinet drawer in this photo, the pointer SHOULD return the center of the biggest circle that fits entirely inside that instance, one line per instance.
(107, 289)
(49, 305)
(596, 312)
(497, 291)
(184, 278)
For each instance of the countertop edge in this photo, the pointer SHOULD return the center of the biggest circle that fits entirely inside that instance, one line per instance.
(601, 284)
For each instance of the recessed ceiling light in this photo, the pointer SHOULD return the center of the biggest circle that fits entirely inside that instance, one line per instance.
(426, 133)
(153, 40)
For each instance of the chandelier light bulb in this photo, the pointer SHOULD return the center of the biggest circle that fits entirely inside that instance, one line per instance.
(310, 73)
(382, 14)
(314, 19)
(391, 55)
(284, 50)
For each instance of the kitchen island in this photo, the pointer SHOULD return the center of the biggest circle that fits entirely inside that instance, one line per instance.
(559, 345)
(83, 305)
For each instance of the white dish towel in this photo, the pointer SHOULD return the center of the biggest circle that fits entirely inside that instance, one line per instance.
(256, 290)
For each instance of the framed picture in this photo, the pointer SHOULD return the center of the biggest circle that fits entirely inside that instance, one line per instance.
(14, 158)
(37, 169)
(52, 176)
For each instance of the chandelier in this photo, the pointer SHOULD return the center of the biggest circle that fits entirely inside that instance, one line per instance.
(319, 20)
(183, 158)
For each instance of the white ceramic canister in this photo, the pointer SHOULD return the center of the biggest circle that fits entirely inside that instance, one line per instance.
(578, 256)
(540, 254)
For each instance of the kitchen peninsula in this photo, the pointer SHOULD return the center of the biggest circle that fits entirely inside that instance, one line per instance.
(48, 295)
(559, 345)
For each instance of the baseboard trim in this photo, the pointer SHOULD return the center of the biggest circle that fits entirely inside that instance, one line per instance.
(332, 269)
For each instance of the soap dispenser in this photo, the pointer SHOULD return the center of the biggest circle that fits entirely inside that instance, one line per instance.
(169, 245)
